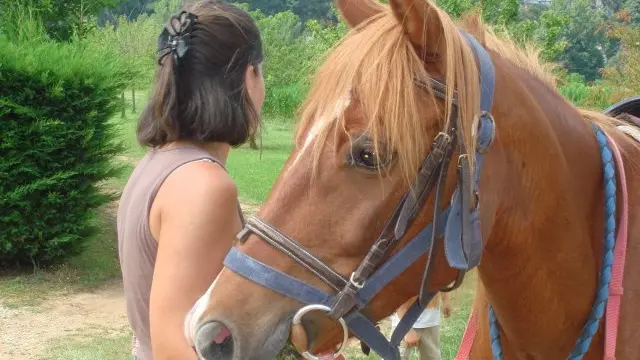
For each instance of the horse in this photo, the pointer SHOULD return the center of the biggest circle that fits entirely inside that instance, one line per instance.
(426, 148)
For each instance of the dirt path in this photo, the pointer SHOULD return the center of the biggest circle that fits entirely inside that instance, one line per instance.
(26, 332)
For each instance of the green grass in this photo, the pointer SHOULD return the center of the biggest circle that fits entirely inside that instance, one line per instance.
(89, 270)
(100, 347)
(254, 171)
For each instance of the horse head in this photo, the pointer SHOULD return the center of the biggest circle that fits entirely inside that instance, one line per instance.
(396, 100)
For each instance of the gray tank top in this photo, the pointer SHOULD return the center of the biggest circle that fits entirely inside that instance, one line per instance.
(137, 248)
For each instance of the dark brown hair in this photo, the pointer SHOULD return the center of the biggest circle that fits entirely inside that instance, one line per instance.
(203, 97)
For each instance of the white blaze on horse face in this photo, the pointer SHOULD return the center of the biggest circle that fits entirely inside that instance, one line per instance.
(320, 124)
(191, 321)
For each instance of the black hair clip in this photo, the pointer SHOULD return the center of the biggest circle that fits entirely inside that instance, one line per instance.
(176, 36)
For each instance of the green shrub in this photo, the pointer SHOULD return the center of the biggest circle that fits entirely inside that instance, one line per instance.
(574, 89)
(20, 20)
(595, 96)
(56, 146)
(293, 50)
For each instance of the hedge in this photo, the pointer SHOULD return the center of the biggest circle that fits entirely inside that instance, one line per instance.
(56, 146)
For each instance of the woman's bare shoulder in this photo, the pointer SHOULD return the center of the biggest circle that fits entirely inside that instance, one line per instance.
(198, 189)
(200, 180)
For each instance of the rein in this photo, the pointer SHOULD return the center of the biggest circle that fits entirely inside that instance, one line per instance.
(609, 292)
(459, 223)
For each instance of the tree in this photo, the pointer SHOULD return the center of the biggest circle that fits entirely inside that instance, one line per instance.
(625, 73)
(311, 9)
(129, 8)
(164, 8)
(456, 8)
(64, 19)
(633, 8)
(500, 11)
(305, 9)
(587, 46)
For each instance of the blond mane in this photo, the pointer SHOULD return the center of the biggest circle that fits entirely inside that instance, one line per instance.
(376, 65)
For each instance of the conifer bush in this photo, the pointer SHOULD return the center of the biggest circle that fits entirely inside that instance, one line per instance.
(57, 144)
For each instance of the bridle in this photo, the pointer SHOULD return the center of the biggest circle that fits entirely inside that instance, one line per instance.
(459, 223)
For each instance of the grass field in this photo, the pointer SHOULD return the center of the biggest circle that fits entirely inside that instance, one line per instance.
(254, 172)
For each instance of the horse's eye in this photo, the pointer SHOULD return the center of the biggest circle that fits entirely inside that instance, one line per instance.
(363, 155)
(367, 158)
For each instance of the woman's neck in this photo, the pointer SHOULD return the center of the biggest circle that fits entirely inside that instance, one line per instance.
(218, 150)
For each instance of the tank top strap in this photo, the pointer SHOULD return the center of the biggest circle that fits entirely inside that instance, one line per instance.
(240, 213)
(188, 154)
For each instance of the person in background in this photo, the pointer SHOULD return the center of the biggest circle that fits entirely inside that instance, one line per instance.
(424, 337)
(179, 212)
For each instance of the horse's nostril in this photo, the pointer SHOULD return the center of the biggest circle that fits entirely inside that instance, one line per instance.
(214, 341)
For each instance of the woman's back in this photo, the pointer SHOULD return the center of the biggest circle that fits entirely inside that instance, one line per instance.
(136, 245)
(178, 215)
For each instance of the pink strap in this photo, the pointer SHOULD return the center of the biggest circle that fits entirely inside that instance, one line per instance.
(617, 272)
(615, 287)
(468, 337)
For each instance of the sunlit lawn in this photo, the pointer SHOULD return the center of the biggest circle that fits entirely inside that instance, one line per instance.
(254, 171)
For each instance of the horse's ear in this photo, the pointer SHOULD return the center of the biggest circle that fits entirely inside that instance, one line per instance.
(421, 23)
(356, 11)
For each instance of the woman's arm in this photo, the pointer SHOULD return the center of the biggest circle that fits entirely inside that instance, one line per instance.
(198, 221)
(446, 304)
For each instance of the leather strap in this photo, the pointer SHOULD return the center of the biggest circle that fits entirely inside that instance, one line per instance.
(425, 181)
(290, 247)
(424, 296)
(463, 237)
(264, 275)
(270, 278)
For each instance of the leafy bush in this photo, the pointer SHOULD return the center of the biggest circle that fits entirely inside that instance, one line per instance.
(293, 50)
(20, 21)
(134, 42)
(596, 96)
(56, 146)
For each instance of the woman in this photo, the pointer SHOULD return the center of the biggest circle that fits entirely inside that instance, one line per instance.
(424, 336)
(179, 213)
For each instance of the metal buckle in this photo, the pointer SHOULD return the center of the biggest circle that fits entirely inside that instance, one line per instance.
(461, 158)
(298, 317)
(242, 236)
(487, 115)
(443, 135)
(354, 283)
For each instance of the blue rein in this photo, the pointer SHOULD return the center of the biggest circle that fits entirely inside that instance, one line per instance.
(593, 322)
